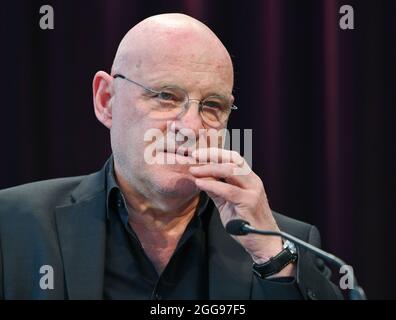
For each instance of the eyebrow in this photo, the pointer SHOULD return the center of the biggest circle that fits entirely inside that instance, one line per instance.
(219, 95)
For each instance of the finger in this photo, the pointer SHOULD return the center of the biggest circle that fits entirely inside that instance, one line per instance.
(217, 155)
(223, 190)
(222, 171)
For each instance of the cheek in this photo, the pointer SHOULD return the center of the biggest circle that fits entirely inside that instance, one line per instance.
(129, 128)
(128, 116)
(124, 113)
(124, 130)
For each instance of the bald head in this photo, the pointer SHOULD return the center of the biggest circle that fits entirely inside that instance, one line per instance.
(163, 51)
(168, 40)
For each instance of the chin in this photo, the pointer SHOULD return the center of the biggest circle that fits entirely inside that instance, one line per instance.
(174, 182)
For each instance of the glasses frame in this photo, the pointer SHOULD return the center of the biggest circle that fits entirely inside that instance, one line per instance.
(186, 105)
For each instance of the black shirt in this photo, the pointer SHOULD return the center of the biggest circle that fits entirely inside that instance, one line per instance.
(130, 274)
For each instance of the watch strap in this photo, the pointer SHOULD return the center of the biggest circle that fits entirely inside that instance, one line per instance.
(274, 264)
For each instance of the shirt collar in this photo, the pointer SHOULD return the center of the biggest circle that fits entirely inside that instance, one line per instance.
(113, 192)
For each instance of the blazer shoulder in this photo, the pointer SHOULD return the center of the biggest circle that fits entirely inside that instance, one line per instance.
(297, 228)
(38, 196)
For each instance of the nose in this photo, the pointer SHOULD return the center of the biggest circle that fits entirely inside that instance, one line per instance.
(190, 118)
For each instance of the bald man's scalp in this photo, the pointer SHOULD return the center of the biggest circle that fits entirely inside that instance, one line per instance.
(149, 40)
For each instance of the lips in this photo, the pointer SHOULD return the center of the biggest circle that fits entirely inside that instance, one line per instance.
(179, 151)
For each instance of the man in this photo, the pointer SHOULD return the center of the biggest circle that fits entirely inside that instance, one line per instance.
(140, 230)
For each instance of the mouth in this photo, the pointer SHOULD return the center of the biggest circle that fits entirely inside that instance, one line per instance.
(179, 151)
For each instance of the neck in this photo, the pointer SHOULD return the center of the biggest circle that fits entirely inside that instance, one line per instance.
(151, 218)
(158, 221)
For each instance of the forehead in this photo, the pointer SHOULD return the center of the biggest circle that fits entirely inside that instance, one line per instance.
(189, 77)
(185, 60)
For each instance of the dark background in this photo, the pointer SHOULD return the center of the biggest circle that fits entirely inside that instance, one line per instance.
(320, 101)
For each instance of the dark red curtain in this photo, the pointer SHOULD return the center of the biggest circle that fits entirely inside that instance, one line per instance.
(320, 101)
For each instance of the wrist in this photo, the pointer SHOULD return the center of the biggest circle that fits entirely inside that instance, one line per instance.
(264, 255)
(280, 265)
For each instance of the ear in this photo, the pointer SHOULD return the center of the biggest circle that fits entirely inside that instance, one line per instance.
(102, 89)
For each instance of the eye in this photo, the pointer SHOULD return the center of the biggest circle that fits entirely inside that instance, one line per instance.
(167, 96)
(171, 95)
(213, 104)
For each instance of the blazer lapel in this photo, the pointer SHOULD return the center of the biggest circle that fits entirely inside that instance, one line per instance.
(230, 267)
(82, 231)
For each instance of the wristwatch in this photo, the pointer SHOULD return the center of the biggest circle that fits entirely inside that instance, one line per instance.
(277, 263)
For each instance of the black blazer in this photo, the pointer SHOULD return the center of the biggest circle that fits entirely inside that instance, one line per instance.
(62, 223)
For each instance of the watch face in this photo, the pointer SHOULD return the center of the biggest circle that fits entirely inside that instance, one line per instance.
(291, 246)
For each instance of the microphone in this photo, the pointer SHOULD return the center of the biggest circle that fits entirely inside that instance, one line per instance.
(239, 227)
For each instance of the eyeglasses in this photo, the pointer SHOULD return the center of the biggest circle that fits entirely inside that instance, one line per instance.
(171, 102)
